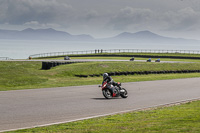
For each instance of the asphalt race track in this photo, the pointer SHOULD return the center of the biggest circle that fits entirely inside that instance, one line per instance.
(95, 60)
(39, 107)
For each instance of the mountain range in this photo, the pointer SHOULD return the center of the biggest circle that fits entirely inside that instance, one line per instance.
(42, 34)
(51, 34)
(149, 37)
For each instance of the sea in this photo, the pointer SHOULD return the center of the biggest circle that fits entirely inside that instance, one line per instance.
(22, 49)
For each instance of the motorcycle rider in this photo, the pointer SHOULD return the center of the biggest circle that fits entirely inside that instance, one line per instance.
(109, 80)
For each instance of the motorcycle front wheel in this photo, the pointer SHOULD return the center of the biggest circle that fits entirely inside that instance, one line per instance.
(124, 94)
(107, 94)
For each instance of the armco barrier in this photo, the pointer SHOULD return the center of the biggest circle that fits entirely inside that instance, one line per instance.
(141, 73)
(5, 58)
(49, 65)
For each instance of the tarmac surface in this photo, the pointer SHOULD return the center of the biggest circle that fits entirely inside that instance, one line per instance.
(40, 107)
(95, 60)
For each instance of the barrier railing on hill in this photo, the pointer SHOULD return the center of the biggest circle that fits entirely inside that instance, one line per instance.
(5, 58)
(113, 51)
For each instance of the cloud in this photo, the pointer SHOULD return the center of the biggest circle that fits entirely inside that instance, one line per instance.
(94, 16)
(183, 19)
(36, 24)
(142, 18)
(43, 11)
(131, 17)
(91, 15)
(46, 13)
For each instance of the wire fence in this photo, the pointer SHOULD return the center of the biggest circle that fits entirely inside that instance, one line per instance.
(5, 58)
(113, 51)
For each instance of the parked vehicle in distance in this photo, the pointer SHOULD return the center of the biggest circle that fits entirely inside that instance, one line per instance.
(66, 58)
(132, 59)
(158, 60)
(149, 60)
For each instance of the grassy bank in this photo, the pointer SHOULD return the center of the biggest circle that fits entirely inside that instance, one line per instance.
(139, 56)
(181, 118)
(26, 75)
(126, 58)
(128, 54)
(136, 58)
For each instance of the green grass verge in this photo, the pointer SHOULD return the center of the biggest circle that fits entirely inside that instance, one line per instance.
(181, 118)
(28, 75)
(155, 54)
(136, 58)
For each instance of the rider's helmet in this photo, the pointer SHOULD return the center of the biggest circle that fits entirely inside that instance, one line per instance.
(105, 75)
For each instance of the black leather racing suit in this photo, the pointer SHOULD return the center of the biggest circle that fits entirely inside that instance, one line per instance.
(111, 82)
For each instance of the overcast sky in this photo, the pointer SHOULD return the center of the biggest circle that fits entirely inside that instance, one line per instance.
(104, 18)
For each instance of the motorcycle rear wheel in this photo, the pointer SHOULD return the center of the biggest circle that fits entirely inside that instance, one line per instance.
(107, 94)
(124, 94)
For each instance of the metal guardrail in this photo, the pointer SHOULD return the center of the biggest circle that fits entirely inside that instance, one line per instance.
(114, 51)
(5, 58)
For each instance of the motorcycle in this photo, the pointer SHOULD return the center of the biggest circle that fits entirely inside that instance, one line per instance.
(117, 91)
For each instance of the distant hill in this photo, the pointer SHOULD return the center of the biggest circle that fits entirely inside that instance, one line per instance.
(139, 35)
(147, 37)
(125, 37)
(42, 34)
